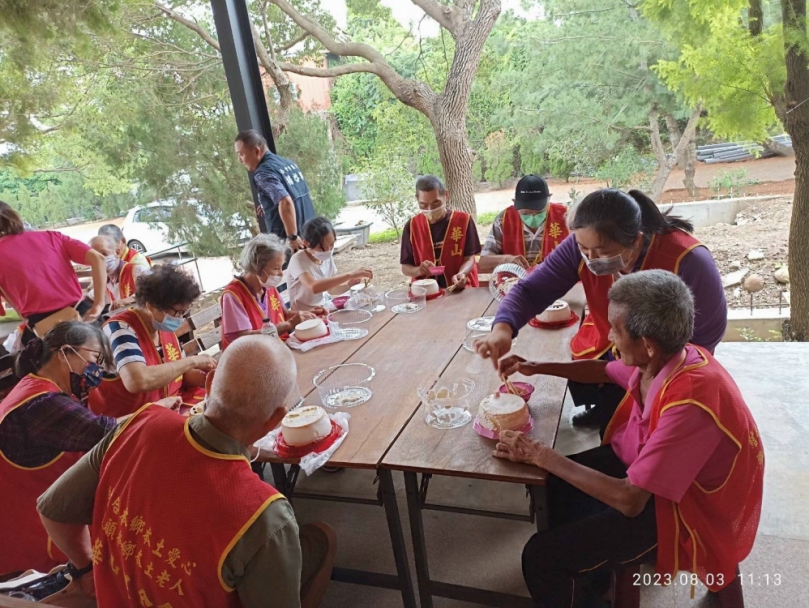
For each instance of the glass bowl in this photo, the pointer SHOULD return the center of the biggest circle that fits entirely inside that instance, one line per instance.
(447, 402)
(403, 302)
(349, 324)
(344, 385)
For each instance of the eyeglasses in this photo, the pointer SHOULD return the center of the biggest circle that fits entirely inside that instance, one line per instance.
(178, 313)
(98, 354)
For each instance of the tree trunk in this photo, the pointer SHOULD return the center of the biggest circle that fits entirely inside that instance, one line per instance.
(456, 159)
(797, 124)
(665, 163)
(690, 168)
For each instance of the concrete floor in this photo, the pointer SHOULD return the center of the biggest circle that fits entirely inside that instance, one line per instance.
(485, 552)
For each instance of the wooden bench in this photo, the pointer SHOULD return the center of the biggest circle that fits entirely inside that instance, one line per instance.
(194, 324)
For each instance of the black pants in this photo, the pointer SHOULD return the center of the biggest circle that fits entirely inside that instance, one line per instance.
(569, 564)
(604, 398)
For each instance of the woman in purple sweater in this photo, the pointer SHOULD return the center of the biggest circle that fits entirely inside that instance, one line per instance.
(613, 233)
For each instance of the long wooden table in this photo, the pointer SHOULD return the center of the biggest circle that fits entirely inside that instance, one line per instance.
(389, 433)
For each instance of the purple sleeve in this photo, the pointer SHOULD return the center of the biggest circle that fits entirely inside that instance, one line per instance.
(62, 423)
(547, 283)
(698, 270)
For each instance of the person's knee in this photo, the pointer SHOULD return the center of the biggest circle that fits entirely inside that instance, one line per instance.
(537, 555)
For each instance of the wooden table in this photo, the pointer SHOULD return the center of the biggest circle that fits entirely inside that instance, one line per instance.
(462, 453)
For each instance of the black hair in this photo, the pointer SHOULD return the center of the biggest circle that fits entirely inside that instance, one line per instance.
(251, 138)
(67, 333)
(428, 183)
(315, 230)
(620, 216)
(10, 220)
(112, 231)
(166, 287)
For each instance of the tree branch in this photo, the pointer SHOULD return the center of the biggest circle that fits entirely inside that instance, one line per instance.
(192, 25)
(341, 70)
(298, 39)
(446, 16)
(755, 17)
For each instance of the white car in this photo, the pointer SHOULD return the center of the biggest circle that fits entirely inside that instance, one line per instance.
(145, 230)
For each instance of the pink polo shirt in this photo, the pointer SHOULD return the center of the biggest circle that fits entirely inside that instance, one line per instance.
(686, 446)
(234, 316)
(36, 275)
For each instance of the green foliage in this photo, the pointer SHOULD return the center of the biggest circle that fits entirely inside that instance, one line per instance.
(485, 219)
(749, 335)
(389, 235)
(389, 188)
(625, 168)
(731, 183)
(499, 157)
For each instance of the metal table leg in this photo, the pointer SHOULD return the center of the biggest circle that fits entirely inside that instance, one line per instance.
(419, 542)
(397, 538)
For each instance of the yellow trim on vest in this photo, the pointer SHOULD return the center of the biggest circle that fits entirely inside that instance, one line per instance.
(252, 299)
(49, 548)
(122, 428)
(240, 533)
(682, 370)
(594, 567)
(694, 548)
(676, 537)
(648, 249)
(206, 451)
(639, 555)
(40, 467)
(608, 431)
(682, 255)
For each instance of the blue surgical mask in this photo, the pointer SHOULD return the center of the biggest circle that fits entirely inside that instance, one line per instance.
(168, 323)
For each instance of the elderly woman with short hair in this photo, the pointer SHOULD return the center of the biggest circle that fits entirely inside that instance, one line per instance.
(678, 479)
(251, 299)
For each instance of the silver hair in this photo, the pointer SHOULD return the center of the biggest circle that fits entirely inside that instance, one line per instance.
(112, 231)
(260, 250)
(658, 305)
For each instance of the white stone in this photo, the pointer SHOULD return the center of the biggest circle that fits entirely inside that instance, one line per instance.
(737, 292)
(755, 255)
(735, 265)
(782, 275)
(734, 278)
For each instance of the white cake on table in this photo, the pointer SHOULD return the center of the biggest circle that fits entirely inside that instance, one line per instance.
(305, 425)
(429, 285)
(558, 312)
(311, 329)
(503, 412)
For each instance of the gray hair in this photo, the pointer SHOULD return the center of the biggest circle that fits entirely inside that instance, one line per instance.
(659, 306)
(252, 139)
(428, 183)
(112, 231)
(260, 250)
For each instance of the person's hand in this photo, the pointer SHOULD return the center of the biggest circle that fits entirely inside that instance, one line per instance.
(117, 305)
(92, 314)
(514, 364)
(517, 447)
(297, 244)
(259, 211)
(297, 317)
(87, 585)
(204, 363)
(359, 275)
(459, 281)
(317, 311)
(517, 259)
(172, 403)
(424, 269)
(495, 345)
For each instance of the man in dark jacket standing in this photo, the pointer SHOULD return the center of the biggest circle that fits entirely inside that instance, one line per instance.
(285, 202)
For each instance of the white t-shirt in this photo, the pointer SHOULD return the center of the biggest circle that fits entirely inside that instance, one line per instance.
(300, 296)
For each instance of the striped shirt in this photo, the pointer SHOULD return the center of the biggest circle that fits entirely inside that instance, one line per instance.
(125, 346)
(532, 240)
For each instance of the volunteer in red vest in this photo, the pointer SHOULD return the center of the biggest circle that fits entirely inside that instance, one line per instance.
(614, 234)
(678, 479)
(251, 300)
(148, 357)
(44, 429)
(127, 254)
(439, 236)
(527, 232)
(121, 276)
(176, 516)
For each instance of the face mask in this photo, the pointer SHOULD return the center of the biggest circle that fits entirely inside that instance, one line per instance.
(112, 263)
(272, 281)
(434, 213)
(168, 323)
(534, 221)
(604, 266)
(322, 255)
(80, 384)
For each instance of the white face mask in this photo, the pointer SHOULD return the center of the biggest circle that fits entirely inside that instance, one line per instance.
(272, 281)
(112, 263)
(322, 255)
(604, 266)
(434, 213)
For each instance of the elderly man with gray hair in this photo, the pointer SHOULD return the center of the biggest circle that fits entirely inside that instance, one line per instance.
(678, 478)
(165, 510)
(122, 250)
(251, 303)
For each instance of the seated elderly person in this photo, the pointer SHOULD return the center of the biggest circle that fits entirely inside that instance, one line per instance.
(125, 253)
(175, 514)
(150, 362)
(121, 276)
(678, 479)
(251, 300)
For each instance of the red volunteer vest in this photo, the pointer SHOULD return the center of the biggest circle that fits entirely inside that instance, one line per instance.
(131, 254)
(126, 281)
(452, 250)
(25, 543)
(167, 512)
(514, 236)
(111, 397)
(274, 306)
(709, 532)
(665, 252)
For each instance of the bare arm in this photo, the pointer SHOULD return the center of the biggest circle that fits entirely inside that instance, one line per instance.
(286, 210)
(619, 494)
(488, 263)
(99, 269)
(586, 372)
(346, 278)
(140, 378)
